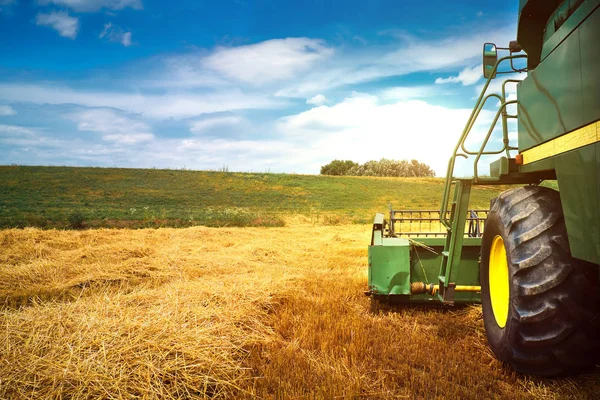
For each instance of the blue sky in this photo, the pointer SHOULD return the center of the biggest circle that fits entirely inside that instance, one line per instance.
(251, 85)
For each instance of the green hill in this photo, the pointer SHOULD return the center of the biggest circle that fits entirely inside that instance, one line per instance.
(115, 197)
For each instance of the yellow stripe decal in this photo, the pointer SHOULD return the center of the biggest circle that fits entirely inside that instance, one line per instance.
(573, 140)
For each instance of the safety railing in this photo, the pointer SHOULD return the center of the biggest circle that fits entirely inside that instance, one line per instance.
(460, 145)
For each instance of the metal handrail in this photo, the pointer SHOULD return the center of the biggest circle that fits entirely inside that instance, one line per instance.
(487, 138)
(460, 144)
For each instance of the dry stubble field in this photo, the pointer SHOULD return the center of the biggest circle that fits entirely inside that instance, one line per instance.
(232, 313)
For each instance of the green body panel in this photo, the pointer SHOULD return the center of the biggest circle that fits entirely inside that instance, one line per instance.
(560, 95)
(551, 97)
(541, 20)
(589, 38)
(533, 16)
(578, 174)
(393, 266)
(555, 37)
(499, 167)
(389, 267)
(425, 267)
(563, 92)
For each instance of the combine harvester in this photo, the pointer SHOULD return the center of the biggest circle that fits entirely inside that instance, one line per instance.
(533, 260)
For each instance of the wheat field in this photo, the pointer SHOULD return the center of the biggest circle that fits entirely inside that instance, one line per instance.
(232, 313)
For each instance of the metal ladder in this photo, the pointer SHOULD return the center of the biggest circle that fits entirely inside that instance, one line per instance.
(455, 224)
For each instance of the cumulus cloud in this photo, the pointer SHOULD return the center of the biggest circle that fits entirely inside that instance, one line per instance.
(468, 76)
(183, 72)
(317, 100)
(133, 150)
(362, 127)
(15, 130)
(169, 105)
(496, 84)
(60, 21)
(207, 124)
(411, 92)
(95, 5)
(208, 87)
(114, 126)
(115, 33)
(126, 39)
(408, 55)
(268, 61)
(7, 111)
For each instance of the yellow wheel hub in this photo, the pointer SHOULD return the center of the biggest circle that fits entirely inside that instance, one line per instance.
(499, 292)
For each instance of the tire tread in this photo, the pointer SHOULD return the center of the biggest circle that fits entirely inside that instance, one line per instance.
(552, 316)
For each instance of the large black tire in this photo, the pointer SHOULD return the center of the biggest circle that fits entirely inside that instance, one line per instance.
(553, 321)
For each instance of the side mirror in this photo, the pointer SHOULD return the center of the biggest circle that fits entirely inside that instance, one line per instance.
(490, 57)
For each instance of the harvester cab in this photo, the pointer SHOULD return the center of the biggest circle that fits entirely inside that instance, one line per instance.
(532, 260)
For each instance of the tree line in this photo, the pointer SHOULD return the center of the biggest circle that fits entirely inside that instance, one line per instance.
(383, 167)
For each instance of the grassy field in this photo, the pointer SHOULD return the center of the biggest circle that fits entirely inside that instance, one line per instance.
(232, 313)
(63, 197)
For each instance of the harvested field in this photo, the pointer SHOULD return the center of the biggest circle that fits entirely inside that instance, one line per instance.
(232, 313)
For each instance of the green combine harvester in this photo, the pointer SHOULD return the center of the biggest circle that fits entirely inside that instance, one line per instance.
(533, 259)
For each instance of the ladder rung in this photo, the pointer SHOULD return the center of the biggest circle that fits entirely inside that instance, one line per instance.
(445, 254)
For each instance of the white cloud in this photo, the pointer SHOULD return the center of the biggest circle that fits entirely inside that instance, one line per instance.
(361, 128)
(208, 124)
(468, 76)
(396, 123)
(6, 111)
(183, 71)
(126, 39)
(14, 130)
(411, 92)
(416, 54)
(246, 147)
(104, 32)
(134, 150)
(496, 84)
(169, 105)
(116, 34)
(65, 25)
(129, 138)
(317, 100)
(410, 54)
(268, 61)
(114, 126)
(95, 5)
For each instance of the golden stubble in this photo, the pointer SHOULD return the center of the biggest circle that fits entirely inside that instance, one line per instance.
(231, 313)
